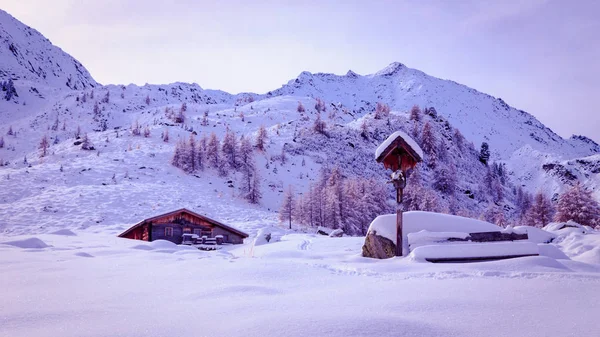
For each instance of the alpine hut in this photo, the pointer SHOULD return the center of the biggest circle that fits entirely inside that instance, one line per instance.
(173, 225)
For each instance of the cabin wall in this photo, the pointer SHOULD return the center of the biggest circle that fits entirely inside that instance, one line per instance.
(137, 234)
(158, 232)
(229, 237)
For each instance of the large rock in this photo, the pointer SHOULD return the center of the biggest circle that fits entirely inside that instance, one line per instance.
(378, 247)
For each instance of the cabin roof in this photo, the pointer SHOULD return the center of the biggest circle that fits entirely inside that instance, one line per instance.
(185, 210)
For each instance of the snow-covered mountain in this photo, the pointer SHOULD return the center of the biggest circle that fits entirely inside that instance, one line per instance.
(480, 117)
(27, 56)
(57, 96)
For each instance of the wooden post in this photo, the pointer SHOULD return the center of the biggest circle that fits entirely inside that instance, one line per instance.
(399, 190)
(399, 222)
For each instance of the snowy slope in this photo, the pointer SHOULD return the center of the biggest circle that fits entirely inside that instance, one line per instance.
(27, 56)
(58, 107)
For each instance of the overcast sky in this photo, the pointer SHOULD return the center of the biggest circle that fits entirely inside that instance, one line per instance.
(540, 56)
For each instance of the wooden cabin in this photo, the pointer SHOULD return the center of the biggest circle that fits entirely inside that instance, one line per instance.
(171, 226)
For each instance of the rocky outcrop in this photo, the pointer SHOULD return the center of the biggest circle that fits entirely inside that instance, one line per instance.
(378, 247)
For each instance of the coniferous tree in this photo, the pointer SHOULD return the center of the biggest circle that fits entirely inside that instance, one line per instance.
(484, 153)
(382, 111)
(245, 153)
(201, 155)
(180, 156)
(9, 89)
(192, 153)
(300, 107)
(319, 125)
(86, 143)
(250, 186)
(96, 110)
(1, 142)
(106, 97)
(136, 129)
(212, 151)
(287, 207)
(256, 192)
(261, 138)
(10, 131)
(459, 139)
(577, 204)
(364, 129)
(205, 118)
(541, 211)
(165, 136)
(229, 148)
(320, 105)
(429, 144)
(415, 113)
(44, 144)
(283, 156)
(445, 179)
(55, 124)
(334, 215)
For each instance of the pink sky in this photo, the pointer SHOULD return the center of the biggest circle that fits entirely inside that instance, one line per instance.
(539, 56)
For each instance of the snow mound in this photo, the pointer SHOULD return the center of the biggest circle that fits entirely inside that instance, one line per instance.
(591, 256)
(474, 250)
(262, 235)
(27, 243)
(534, 234)
(416, 221)
(393, 137)
(162, 244)
(552, 252)
(64, 232)
(143, 247)
(83, 254)
(570, 226)
(336, 233)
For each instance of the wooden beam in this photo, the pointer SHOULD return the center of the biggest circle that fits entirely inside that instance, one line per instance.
(475, 259)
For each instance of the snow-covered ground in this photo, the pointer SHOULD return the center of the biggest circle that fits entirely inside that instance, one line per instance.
(94, 284)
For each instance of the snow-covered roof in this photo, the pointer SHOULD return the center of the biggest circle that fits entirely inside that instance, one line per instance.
(185, 210)
(386, 143)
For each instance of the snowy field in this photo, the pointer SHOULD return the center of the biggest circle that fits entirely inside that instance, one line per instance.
(94, 284)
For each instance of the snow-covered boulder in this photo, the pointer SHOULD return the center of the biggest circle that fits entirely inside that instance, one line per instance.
(378, 247)
(416, 221)
(263, 236)
(570, 226)
(324, 230)
(336, 233)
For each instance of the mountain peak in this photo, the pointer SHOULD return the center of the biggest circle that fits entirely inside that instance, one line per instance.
(391, 69)
(351, 74)
(25, 54)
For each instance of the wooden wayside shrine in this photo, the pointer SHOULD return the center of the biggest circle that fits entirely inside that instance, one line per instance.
(400, 156)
